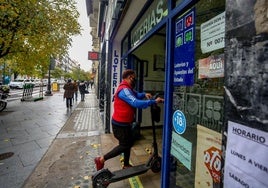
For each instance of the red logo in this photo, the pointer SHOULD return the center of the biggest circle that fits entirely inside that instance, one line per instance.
(212, 160)
(189, 20)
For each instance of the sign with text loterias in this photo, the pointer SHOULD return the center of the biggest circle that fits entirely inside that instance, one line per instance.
(152, 16)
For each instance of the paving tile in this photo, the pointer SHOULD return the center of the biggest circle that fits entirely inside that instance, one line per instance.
(10, 165)
(24, 147)
(45, 142)
(32, 157)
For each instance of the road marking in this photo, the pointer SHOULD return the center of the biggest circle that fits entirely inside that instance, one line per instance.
(135, 181)
(78, 134)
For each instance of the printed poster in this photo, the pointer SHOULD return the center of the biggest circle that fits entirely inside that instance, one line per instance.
(246, 163)
(211, 67)
(213, 34)
(208, 158)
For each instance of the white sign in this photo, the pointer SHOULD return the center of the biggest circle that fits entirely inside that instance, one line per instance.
(246, 163)
(115, 81)
(212, 34)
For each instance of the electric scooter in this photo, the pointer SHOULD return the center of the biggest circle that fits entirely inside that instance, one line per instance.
(104, 177)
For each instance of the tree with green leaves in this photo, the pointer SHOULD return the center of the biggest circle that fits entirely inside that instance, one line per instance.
(33, 31)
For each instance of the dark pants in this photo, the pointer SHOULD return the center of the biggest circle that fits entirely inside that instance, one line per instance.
(124, 136)
(82, 96)
(69, 102)
(76, 95)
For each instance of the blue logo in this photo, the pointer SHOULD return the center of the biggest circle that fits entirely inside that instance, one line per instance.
(179, 122)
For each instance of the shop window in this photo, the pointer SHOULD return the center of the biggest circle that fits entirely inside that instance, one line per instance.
(125, 45)
(198, 95)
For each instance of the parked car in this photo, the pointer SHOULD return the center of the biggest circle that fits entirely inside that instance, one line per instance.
(16, 84)
(19, 83)
(37, 82)
(27, 81)
(45, 82)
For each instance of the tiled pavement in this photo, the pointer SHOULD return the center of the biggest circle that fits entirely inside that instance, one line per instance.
(55, 147)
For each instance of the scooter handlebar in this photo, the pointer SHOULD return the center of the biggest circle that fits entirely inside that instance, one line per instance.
(155, 96)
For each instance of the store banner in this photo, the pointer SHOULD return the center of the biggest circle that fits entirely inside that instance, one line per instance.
(118, 66)
(208, 158)
(246, 163)
(184, 51)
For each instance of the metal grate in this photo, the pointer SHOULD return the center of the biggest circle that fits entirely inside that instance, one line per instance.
(6, 155)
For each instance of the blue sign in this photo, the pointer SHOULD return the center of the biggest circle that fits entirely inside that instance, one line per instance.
(184, 62)
(179, 122)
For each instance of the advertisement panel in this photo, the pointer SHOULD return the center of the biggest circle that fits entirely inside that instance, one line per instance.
(211, 67)
(184, 51)
(208, 158)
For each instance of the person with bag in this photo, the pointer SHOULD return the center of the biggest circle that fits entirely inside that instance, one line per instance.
(68, 93)
(82, 90)
(126, 100)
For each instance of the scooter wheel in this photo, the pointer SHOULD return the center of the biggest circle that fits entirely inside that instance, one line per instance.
(101, 179)
(156, 165)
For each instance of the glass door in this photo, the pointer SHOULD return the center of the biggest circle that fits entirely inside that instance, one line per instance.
(138, 66)
(197, 110)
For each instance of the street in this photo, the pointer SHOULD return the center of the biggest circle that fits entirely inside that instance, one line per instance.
(16, 94)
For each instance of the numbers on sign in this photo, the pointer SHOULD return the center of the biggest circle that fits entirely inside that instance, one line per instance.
(179, 121)
(219, 40)
(209, 43)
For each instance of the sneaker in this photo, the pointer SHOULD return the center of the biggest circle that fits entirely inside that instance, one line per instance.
(127, 166)
(98, 163)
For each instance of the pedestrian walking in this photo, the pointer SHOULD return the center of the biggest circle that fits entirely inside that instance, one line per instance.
(126, 100)
(82, 90)
(87, 84)
(68, 93)
(91, 84)
(75, 90)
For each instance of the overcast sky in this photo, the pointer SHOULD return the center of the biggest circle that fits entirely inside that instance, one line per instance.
(82, 43)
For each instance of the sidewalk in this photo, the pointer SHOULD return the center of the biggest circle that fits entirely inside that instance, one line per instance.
(55, 147)
(26, 131)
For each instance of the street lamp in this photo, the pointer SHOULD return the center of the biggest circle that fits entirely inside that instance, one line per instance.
(51, 65)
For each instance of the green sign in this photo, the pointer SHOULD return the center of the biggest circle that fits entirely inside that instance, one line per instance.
(154, 14)
(181, 149)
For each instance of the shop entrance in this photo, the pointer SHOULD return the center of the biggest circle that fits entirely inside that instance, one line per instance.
(148, 60)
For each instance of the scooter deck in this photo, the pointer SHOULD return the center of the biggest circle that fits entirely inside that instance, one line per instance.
(129, 172)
